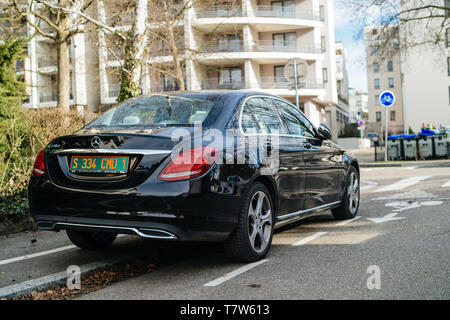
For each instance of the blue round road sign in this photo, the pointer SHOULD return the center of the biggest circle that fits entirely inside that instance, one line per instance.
(361, 123)
(387, 98)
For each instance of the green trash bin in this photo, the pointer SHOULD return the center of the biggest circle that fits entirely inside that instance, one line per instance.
(440, 146)
(410, 149)
(394, 151)
(425, 148)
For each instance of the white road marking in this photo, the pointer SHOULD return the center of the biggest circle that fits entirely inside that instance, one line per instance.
(43, 253)
(37, 254)
(343, 223)
(369, 185)
(308, 239)
(388, 217)
(233, 274)
(446, 185)
(402, 184)
(409, 168)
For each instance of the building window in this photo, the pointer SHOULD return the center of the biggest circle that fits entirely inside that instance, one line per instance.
(390, 66)
(378, 116)
(278, 72)
(447, 37)
(391, 82)
(322, 12)
(376, 67)
(448, 65)
(325, 75)
(392, 115)
(285, 41)
(377, 100)
(377, 83)
(447, 8)
(323, 44)
(374, 31)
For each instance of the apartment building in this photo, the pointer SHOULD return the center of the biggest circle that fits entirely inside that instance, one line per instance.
(358, 105)
(426, 68)
(342, 83)
(384, 73)
(252, 42)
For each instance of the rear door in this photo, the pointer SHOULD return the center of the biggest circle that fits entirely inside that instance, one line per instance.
(290, 175)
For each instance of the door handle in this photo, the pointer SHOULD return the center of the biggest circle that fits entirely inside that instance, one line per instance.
(307, 145)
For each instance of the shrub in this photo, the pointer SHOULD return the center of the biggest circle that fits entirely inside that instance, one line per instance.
(22, 134)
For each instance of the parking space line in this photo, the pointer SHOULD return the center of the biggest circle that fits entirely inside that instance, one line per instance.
(343, 223)
(43, 253)
(369, 185)
(402, 184)
(308, 239)
(37, 254)
(446, 185)
(234, 273)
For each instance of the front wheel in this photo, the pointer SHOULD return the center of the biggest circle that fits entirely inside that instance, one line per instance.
(91, 240)
(350, 202)
(253, 236)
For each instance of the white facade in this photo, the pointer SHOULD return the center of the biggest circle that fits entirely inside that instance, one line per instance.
(267, 36)
(358, 104)
(426, 73)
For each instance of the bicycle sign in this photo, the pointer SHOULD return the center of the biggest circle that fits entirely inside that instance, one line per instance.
(387, 99)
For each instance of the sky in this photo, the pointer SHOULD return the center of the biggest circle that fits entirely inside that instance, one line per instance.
(355, 51)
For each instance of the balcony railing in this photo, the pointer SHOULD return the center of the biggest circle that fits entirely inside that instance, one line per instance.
(216, 84)
(220, 12)
(47, 98)
(223, 46)
(286, 46)
(287, 12)
(47, 63)
(282, 83)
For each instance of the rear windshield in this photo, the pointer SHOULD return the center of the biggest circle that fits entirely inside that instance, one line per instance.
(160, 111)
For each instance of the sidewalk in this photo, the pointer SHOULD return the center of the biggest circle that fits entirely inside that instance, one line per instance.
(366, 159)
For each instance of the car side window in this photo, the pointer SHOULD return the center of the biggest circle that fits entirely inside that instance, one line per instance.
(249, 125)
(266, 115)
(295, 121)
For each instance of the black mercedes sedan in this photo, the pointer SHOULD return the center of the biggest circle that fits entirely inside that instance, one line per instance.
(222, 166)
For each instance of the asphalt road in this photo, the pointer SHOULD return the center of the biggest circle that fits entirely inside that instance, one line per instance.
(401, 234)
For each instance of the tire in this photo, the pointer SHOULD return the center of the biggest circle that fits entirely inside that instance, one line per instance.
(91, 240)
(350, 202)
(252, 237)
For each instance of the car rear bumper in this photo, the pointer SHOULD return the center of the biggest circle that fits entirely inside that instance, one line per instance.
(149, 213)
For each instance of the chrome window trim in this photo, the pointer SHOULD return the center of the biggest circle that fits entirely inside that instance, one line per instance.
(262, 134)
(293, 214)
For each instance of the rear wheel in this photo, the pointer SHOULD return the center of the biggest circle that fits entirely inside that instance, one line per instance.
(350, 202)
(91, 240)
(253, 236)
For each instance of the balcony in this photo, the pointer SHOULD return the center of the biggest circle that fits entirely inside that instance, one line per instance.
(286, 12)
(218, 84)
(286, 46)
(282, 83)
(222, 46)
(220, 12)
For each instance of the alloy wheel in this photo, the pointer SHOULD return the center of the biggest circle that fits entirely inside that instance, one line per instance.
(259, 221)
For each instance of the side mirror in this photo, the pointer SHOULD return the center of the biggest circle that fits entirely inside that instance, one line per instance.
(324, 132)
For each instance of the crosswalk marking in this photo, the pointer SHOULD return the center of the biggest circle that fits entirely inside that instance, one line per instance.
(402, 184)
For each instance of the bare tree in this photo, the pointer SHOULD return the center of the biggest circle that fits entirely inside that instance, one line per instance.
(58, 21)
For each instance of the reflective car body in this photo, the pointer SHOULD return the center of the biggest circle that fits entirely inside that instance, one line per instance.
(309, 177)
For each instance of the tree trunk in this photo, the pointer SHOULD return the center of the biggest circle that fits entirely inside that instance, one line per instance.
(134, 54)
(179, 79)
(63, 75)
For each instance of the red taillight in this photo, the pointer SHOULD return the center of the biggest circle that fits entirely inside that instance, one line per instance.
(190, 164)
(39, 164)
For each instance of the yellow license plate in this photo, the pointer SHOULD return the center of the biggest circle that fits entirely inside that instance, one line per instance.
(99, 164)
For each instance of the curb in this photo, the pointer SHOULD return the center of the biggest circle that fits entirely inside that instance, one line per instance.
(53, 280)
(424, 164)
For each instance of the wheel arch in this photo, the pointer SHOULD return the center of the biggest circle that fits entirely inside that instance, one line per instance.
(271, 186)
